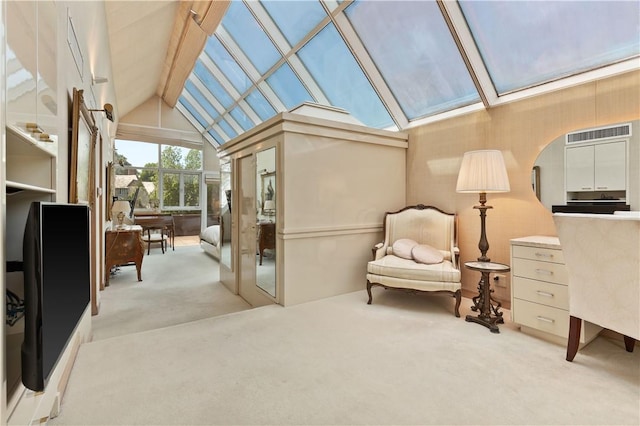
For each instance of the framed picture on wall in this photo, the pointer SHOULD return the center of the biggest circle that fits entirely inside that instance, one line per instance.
(82, 152)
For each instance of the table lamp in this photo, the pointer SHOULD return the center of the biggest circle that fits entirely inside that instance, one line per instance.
(269, 207)
(119, 210)
(482, 172)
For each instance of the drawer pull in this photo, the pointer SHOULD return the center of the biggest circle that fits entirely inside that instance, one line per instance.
(545, 319)
(544, 293)
(547, 255)
(544, 272)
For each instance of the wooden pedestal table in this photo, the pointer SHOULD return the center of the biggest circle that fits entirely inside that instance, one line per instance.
(488, 307)
(124, 245)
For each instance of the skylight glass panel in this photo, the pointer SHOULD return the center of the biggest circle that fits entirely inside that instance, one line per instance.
(214, 86)
(241, 118)
(524, 43)
(225, 62)
(250, 36)
(260, 105)
(295, 19)
(194, 113)
(288, 87)
(200, 99)
(341, 79)
(412, 47)
(216, 136)
(227, 128)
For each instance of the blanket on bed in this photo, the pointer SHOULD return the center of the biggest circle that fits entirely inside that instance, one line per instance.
(211, 235)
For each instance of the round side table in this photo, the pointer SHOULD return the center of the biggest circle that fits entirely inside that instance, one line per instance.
(488, 308)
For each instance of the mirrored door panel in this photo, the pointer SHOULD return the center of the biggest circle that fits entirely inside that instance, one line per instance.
(225, 214)
(247, 234)
(266, 202)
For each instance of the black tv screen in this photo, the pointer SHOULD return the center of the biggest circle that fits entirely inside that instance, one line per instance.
(57, 280)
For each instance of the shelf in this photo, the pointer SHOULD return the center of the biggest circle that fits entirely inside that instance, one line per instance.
(17, 187)
(28, 145)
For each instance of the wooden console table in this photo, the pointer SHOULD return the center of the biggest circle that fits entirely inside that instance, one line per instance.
(124, 245)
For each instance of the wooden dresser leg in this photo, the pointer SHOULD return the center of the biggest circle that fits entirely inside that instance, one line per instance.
(575, 324)
(629, 343)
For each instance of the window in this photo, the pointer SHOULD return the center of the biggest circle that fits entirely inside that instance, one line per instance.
(158, 176)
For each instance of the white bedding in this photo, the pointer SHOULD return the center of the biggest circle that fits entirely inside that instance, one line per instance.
(210, 241)
(211, 235)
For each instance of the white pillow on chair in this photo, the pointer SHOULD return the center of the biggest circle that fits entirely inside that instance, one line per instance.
(402, 248)
(424, 253)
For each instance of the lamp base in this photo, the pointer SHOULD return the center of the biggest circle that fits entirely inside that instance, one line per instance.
(483, 245)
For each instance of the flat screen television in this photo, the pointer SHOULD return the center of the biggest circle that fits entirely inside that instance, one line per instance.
(56, 265)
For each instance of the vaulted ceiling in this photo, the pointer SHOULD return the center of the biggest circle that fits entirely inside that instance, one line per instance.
(154, 45)
(391, 64)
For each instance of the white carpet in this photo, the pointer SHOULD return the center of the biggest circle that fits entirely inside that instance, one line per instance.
(177, 287)
(403, 360)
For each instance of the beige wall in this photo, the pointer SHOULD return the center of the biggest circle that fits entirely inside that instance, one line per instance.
(520, 130)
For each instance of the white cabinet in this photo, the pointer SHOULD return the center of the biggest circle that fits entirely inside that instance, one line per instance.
(610, 166)
(32, 69)
(31, 169)
(599, 167)
(579, 168)
(540, 292)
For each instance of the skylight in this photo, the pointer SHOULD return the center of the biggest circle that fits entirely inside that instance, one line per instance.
(396, 64)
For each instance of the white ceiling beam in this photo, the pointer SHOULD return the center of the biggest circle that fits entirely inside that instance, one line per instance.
(371, 72)
(207, 94)
(469, 51)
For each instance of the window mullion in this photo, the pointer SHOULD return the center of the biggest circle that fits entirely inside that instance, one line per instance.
(307, 80)
(236, 53)
(208, 95)
(461, 34)
(220, 76)
(199, 108)
(370, 70)
(272, 97)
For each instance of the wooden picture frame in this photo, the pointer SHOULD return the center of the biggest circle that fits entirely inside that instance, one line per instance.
(110, 190)
(82, 153)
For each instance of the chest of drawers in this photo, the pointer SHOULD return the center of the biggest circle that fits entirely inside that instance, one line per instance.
(540, 290)
(123, 246)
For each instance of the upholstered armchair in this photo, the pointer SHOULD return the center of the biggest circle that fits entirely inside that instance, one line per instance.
(602, 254)
(419, 253)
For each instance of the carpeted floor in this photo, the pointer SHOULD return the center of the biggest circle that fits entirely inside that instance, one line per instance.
(177, 287)
(338, 361)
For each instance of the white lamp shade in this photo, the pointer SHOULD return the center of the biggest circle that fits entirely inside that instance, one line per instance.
(483, 171)
(120, 206)
(269, 205)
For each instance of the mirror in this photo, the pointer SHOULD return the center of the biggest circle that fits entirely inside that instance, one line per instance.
(549, 174)
(266, 202)
(225, 214)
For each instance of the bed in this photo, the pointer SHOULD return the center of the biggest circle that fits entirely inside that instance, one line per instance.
(210, 241)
